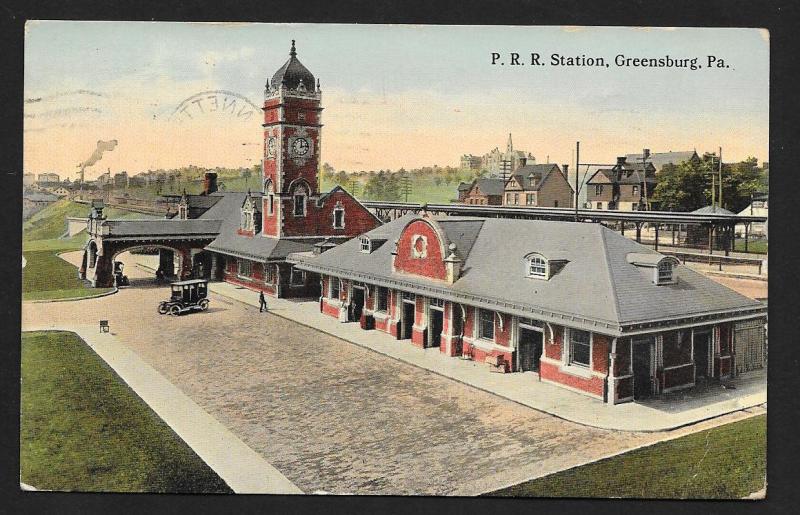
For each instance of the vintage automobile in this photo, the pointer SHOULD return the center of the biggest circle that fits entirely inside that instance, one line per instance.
(187, 296)
(120, 279)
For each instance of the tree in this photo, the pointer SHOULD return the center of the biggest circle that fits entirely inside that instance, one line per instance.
(739, 182)
(682, 187)
(341, 178)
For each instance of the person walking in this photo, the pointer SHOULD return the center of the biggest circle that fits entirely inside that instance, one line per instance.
(262, 302)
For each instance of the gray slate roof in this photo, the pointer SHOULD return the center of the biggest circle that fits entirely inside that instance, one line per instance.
(659, 159)
(162, 227)
(540, 172)
(491, 186)
(292, 72)
(257, 247)
(716, 210)
(597, 284)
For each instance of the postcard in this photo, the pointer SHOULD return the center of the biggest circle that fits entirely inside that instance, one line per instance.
(428, 260)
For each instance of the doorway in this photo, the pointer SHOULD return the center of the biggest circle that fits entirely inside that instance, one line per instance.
(701, 344)
(435, 327)
(458, 329)
(642, 368)
(356, 304)
(530, 349)
(407, 322)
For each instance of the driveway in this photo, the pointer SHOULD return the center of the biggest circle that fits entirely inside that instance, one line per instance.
(334, 416)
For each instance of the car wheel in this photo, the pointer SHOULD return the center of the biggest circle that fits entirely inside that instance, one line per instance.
(162, 308)
(204, 304)
(175, 310)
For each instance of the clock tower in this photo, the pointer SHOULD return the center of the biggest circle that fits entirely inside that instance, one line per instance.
(291, 153)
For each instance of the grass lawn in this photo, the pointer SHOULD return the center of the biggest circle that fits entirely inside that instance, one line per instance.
(754, 246)
(83, 429)
(726, 462)
(47, 276)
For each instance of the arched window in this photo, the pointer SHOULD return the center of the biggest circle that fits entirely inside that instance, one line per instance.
(338, 216)
(537, 266)
(300, 194)
(270, 191)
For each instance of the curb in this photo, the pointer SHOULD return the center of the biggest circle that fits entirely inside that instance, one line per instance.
(540, 410)
(71, 299)
(632, 449)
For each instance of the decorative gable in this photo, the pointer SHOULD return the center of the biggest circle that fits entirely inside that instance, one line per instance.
(421, 250)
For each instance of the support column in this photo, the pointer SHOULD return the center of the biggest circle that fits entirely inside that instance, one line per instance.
(622, 228)
(746, 235)
(638, 232)
(710, 239)
(656, 247)
(214, 267)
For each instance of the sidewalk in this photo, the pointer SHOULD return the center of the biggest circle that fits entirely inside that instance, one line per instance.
(244, 470)
(524, 388)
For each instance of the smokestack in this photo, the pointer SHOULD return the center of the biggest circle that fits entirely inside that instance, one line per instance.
(209, 183)
(566, 169)
(621, 161)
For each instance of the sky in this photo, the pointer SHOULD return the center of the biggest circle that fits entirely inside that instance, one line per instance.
(393, 95)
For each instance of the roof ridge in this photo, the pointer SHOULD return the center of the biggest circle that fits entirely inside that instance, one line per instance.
(609, 274)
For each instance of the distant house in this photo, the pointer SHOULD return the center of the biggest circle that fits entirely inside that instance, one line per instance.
(48, 177)
(543, 185)
(35, 201)
(486, 192)
(471, 162)
(463, 190)
(659, 159)
(61, 191)
(625, 187)
(758, 207)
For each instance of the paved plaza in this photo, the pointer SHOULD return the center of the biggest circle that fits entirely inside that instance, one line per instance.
(336, 417)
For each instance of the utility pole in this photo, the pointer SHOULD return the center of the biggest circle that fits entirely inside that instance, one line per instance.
(353, 186)
(406, 186)
(577, 180)
(505, 169)
(720, 176)
(645, 156)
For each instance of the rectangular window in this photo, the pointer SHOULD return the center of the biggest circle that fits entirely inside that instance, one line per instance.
(530, 199)
(271, 204)
(245, 268)
(598, 189)
(365, 245)
(298, 277)
(269, 274)
(579, 347)
(486, 324)
(299, 205)
(508, 198)
(516, 198)
(338, 218)
(383, 299)
(599, 205)
(408, 296)
(555, 203)
(439, 303)
(334, 290)
(636, 190)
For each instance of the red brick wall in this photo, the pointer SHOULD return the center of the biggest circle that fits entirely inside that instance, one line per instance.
(593, 385)
(600, 348)
(432, 265)
(623, 361)
(552, 349)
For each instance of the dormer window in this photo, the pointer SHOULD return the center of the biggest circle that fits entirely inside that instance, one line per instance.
(537, 267)
(366, 245)
(248, 214)
(661, 267)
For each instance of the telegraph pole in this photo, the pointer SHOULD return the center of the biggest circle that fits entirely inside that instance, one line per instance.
(505, 168)
(577, 180)
(720, 176)
(406, 186)
(353, 186)
(645, 156)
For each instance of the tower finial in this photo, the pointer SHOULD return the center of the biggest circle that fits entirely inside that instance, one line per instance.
(293, 52)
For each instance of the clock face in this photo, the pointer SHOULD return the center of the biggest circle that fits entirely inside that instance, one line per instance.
(300, 147)
(271, 147)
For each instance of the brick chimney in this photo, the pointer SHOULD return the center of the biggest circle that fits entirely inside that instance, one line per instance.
(566, 169)
(209, 183)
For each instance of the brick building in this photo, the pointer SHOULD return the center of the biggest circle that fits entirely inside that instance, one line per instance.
(627, 186)
(290, 214)
(484, 191)
(538, 185)
(577, 305)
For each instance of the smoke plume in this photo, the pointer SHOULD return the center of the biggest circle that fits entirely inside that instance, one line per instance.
(97, 155)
